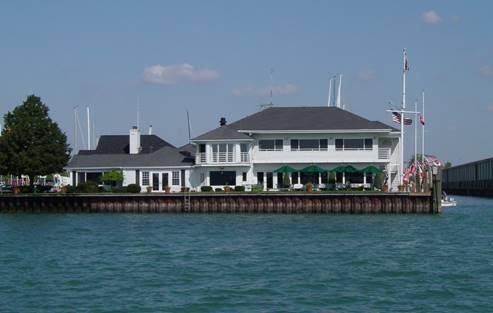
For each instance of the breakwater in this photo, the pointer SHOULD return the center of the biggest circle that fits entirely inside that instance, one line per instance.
(284, 203)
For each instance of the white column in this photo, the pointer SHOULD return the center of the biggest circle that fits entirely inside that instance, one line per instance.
(275, 181)
(343, 178)
(299, 177)
(319, 178)
(364, 178)
(265, 181)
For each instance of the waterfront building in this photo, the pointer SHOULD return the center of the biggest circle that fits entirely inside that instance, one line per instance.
(271, 148)
(307, 141)
(146, 160)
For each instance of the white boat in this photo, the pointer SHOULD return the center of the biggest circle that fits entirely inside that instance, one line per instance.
(448, 201)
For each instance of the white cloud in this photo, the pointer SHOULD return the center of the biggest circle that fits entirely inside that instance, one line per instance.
(173, 74)
(367, 75)
(486, 70)
(431, 17)
(277, 90)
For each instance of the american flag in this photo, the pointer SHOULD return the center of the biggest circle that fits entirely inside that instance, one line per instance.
(396, 118)
(422, 119)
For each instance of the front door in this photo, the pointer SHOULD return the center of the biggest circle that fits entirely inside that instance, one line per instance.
(155, 181)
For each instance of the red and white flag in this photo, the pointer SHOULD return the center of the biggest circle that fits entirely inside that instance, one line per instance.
(396, 118)
(422, 119)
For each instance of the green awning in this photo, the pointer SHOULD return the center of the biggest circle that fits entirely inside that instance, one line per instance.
(372, 169)
(339, 169)
(345, 169)
(285, 169)
(313, 169)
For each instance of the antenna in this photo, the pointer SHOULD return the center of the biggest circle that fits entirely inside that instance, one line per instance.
(189, 127)
(271, 73)
(338, 101)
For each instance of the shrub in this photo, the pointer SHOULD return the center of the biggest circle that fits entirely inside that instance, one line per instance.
(87, 187)
(239, 188)
(206, 188)
(26, 189)
(257, 188)
(185, 189)
(69, 189)
(119, 190)
(218, 190)
(133, 188)
(113, 177)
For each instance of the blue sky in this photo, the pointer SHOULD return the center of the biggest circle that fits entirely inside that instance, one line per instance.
(213, 58)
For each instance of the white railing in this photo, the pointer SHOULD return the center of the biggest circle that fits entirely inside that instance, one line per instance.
(244, 157)
(223, 157)
(200, 158)
(383, 153)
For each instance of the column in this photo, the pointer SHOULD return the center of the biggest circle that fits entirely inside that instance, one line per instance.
(364, 178)
(299, 178)
(265, 181)
(343, 178)
(275, 181)
(319, 178)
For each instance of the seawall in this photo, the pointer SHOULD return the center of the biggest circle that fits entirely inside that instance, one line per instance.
(283, 203)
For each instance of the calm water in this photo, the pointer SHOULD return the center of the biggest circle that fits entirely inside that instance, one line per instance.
(249, 263)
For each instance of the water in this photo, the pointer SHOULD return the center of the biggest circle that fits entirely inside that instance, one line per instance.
(249, 263)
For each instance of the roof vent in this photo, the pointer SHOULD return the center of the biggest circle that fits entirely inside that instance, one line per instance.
(222, 121)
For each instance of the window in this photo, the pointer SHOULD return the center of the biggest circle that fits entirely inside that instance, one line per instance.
(165, 180)
(201, 148)
(175, 178)
(309, 144)
(354, 144)
(222, 178)
(244, 176)
(145, 178)
(270, 145)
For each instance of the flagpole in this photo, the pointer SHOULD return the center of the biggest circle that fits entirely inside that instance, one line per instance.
(415, 145)
(404, 61)
(423, 129)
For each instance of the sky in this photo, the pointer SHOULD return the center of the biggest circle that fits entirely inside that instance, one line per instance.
(216, 58)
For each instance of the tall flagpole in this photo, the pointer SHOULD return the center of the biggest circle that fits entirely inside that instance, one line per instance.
(405, 68)
(423, 134)
(415, 145)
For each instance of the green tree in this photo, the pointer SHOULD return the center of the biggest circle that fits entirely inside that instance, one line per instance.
(113, 177)
(31, 143)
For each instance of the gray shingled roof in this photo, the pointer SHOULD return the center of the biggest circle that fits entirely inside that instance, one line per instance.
(306, 118)
(223, 132)
(119, 144)
(294, 118)
(166, 156)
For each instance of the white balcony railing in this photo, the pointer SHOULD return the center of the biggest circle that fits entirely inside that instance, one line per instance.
(244, 157)
(383, 153)
(201, 158)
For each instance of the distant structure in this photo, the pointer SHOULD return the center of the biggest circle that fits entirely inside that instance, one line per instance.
(335, 99)
(472, 179)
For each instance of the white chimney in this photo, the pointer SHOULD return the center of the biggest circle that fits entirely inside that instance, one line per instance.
(150, 129)
(134, 140)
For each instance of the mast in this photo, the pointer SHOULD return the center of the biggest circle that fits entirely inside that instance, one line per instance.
(330, 93)
(88, 128)
(338, 101)
(75, 129)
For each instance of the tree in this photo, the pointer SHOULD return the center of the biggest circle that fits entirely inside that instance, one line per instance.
(113, 177)
(448, 164)
(31, 143)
